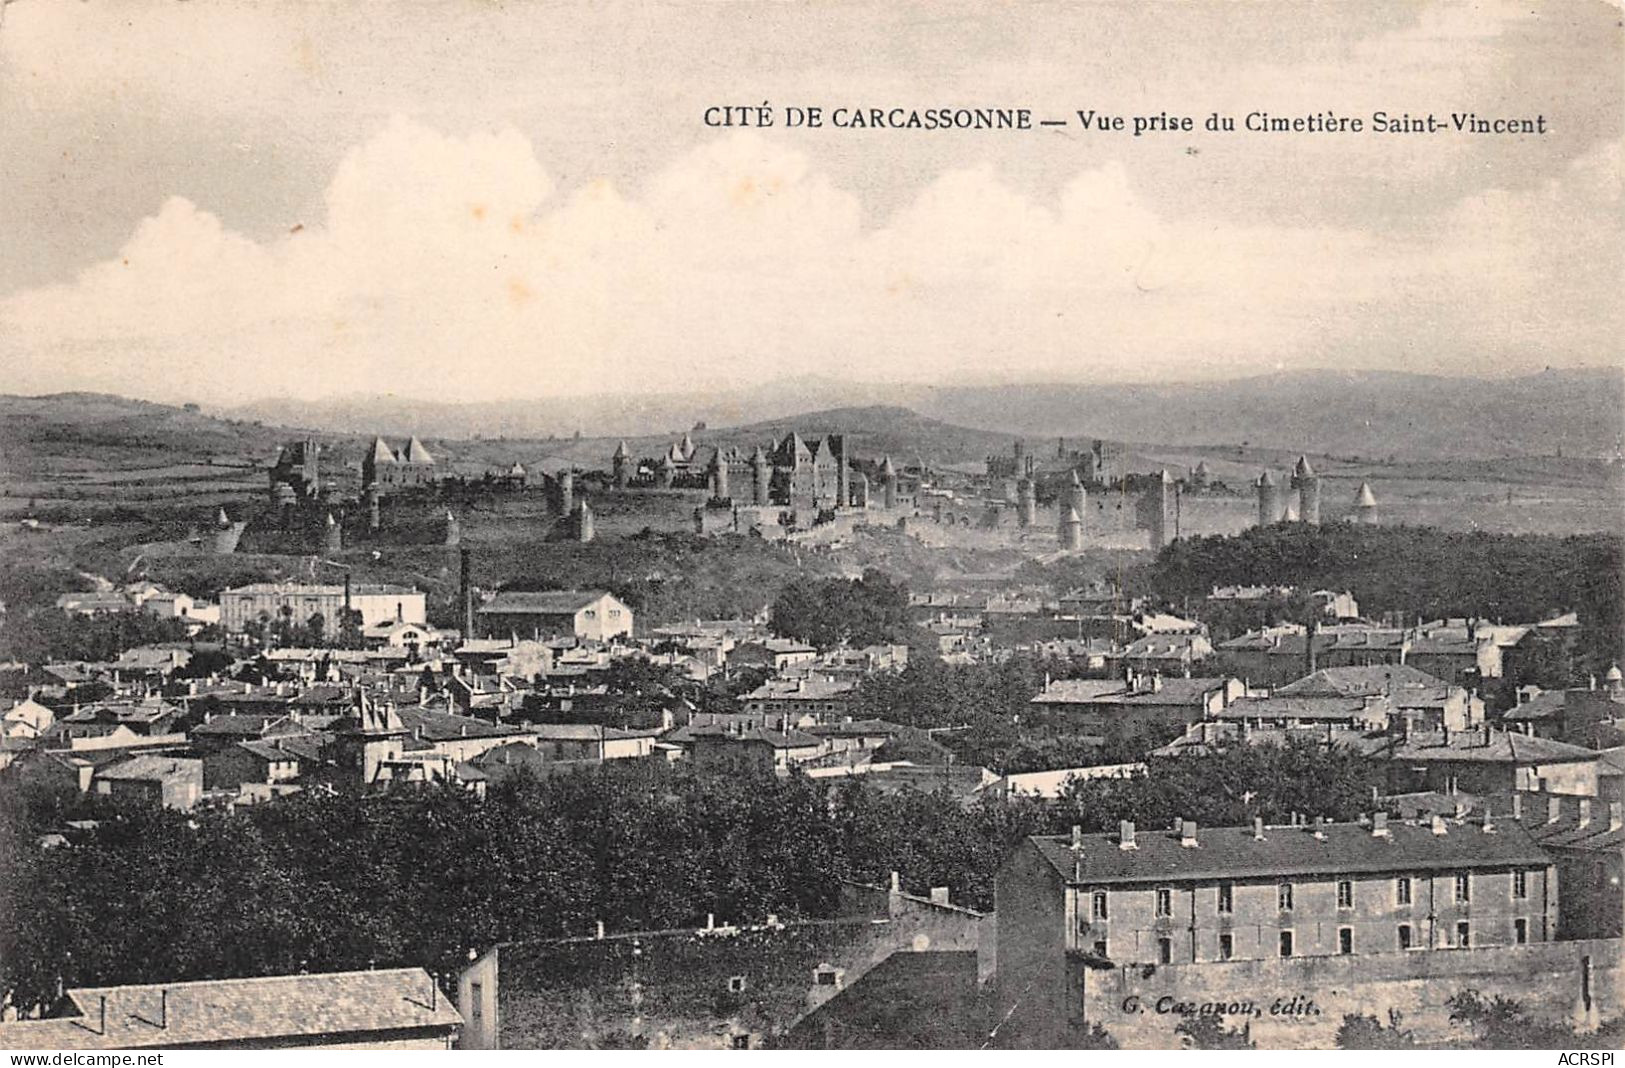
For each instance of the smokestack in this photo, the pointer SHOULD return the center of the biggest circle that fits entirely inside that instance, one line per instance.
(466, 587)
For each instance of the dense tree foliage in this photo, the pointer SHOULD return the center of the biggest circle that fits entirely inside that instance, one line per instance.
(44, 634)
(331, 882)
(1420, 571)
(828, 612)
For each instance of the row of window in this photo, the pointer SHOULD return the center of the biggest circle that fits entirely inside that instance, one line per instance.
(1404, 939)
(1099, 909)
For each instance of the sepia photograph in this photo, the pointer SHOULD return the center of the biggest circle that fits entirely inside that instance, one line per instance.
(811, 525)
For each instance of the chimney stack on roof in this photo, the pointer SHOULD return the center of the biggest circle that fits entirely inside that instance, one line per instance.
(1077, 836)
(1379, 825)
(1486, 823)
(1439, 825)
(1187, 834)
(1258, 828)
(1125, 835)
(1517, 805)
(1554, 809)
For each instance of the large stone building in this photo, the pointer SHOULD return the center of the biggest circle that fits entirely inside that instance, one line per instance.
(383, 469)
(595, 615)
(1097, 914)
(249, 607)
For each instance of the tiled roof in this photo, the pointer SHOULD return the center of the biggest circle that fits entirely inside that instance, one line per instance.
(1174, 691)
(580, 732)
(1548, 705)
(1400, 680)
(1287, 706)
(1488, 745)
(289, 747)
(242, 1011)
(787, 740)
(248, 726)
(445, 727)
(150, 766)
(1285, 852)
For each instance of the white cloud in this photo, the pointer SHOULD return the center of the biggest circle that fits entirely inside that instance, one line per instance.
(450, 266)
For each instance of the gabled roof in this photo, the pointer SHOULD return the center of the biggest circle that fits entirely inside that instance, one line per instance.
(1289, 852)
(150, 766)
(416, 453)
(792, 739)
(1400, 681)
(1487, 745)
(445, 727)
(1174, 691)
(263, 1011)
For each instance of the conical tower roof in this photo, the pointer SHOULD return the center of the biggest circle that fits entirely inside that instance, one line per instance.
(381, 452)
(1291, 514)
(1167, 476)
(1303, 467)
(1077, 483)
(221, 519)
(1266, 479)
(1201, 467)
(331, 522)
(622, 452)
(1072, 517)
(416, 453)
(758, 457)
(886, 468)
(1364, 498)
(687, 446)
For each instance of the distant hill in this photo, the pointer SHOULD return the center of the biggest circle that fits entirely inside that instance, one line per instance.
(1359, 413)
(97, 432)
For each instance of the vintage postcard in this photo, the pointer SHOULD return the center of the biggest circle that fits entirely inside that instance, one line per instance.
(743, 525)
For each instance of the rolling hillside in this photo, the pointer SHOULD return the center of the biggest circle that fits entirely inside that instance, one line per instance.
(1358, 413)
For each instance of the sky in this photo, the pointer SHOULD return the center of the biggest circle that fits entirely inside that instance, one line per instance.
(466, 200)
